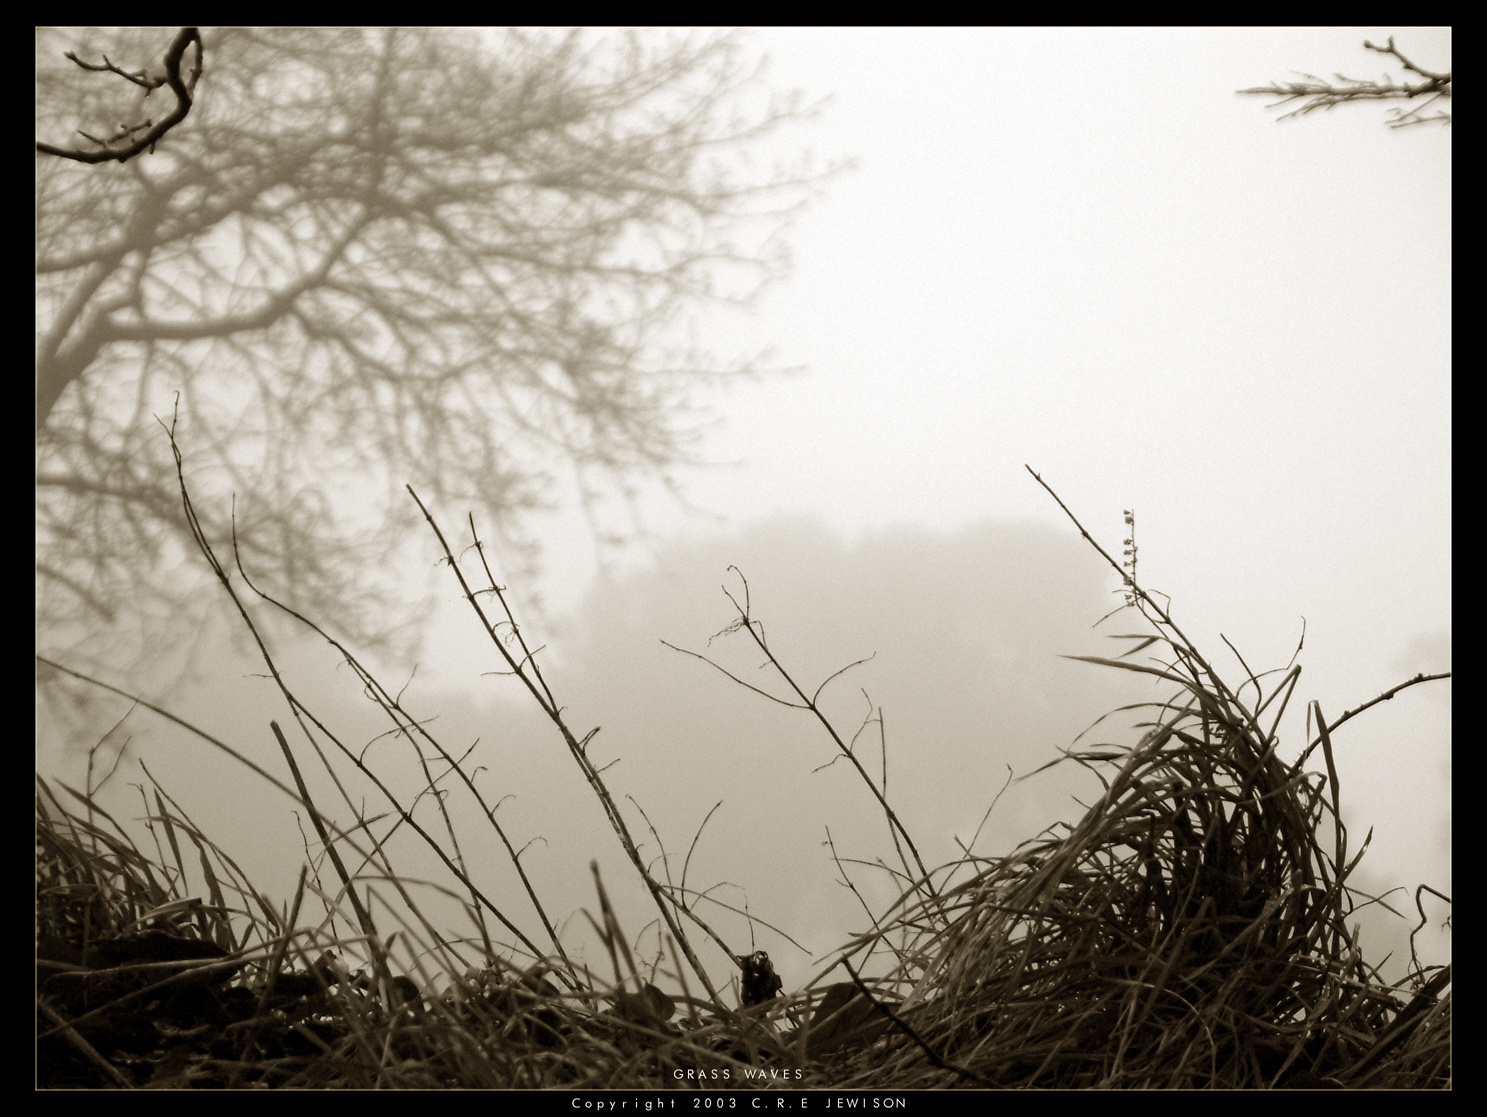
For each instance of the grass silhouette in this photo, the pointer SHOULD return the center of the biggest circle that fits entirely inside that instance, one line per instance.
(1189, 930)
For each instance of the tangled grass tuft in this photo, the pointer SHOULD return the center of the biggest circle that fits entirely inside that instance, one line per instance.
(1189, 931)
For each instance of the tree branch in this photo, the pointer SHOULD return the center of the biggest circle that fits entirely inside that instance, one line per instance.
(183, 89)
(1320, 94)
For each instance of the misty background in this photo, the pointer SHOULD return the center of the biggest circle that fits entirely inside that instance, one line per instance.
(1078, 250)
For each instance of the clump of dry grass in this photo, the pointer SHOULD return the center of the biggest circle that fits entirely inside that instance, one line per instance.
(140, 986)
(142, 982)
(1190, 930)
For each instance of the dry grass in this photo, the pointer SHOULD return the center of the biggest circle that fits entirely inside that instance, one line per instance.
(1189, 931)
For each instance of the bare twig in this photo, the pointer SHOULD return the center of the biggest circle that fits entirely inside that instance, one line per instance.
(525, 668)
(746, 622)
(1356, 710)
(1321, 94)
(1390, 48)
(300, 713)
(183, 88)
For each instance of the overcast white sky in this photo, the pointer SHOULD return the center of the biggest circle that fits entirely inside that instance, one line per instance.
(1082, 251)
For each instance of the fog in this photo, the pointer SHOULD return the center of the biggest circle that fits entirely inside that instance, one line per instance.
(965, 635)
(1072, 249)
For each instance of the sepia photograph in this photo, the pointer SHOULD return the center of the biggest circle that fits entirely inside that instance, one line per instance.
(841, 563)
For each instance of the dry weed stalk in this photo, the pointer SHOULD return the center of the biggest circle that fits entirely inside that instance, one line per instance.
(289, 1010)
(1190, 930)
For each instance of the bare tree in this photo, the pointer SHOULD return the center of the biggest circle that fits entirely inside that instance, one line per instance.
(464, 260)
(1316, 93)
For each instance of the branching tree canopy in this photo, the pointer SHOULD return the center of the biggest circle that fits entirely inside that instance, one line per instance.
(369, 257)
(1315, 93)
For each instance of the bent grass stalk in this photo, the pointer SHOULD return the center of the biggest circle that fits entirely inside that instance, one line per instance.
(1189, 930)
